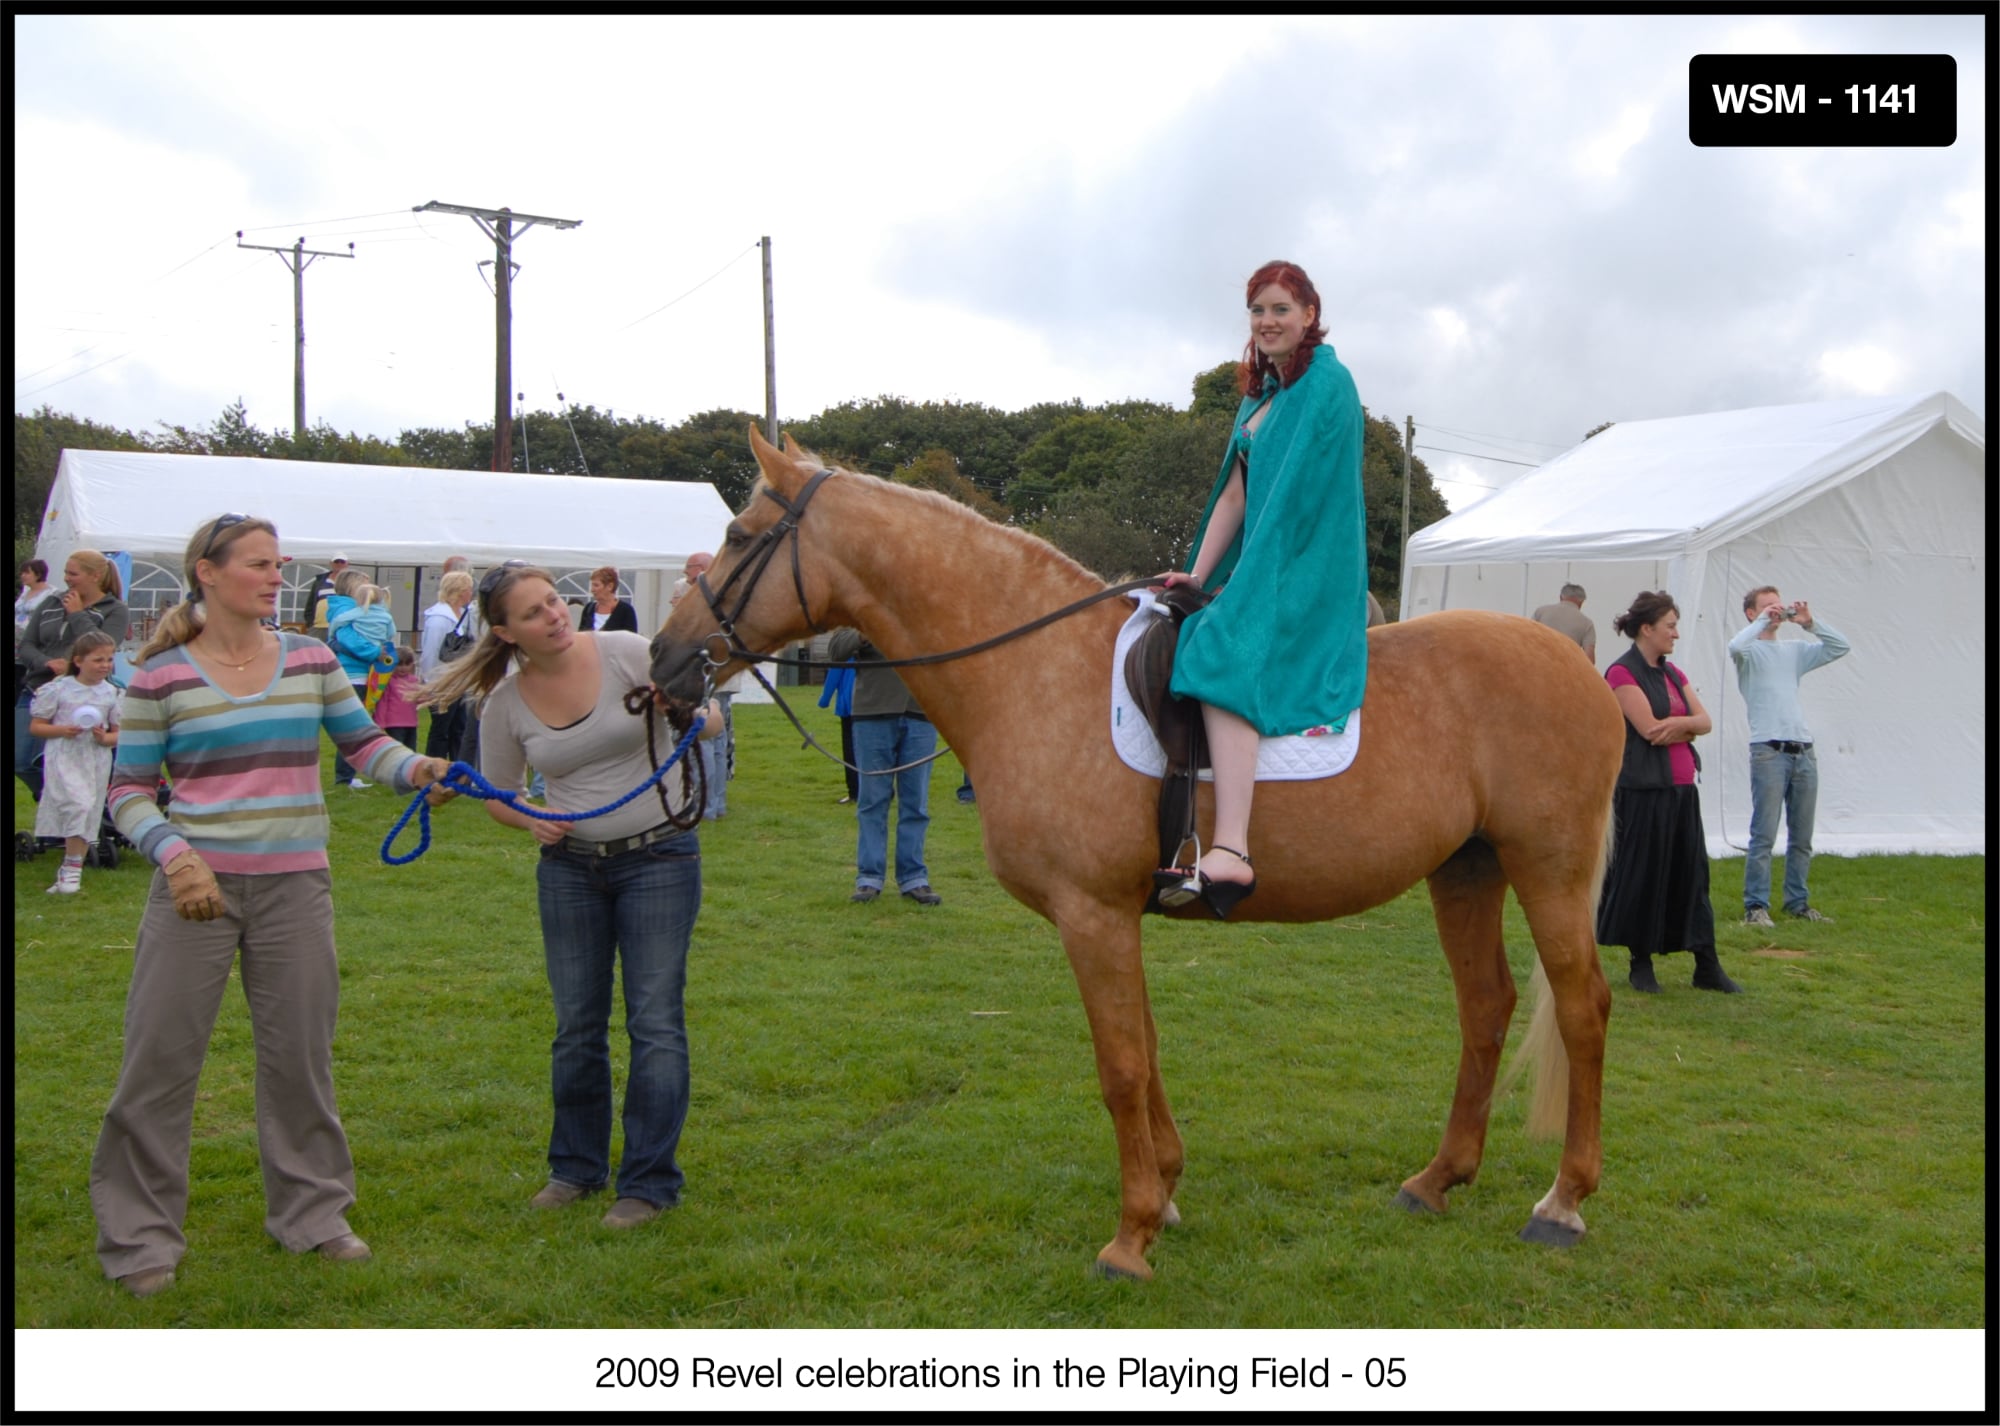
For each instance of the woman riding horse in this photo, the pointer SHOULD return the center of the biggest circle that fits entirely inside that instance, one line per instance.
(1283, 646)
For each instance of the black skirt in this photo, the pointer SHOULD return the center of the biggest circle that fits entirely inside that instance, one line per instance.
(1655, 897)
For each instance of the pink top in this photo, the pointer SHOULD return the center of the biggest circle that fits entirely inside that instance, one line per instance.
(1679, 755)
(397, 707)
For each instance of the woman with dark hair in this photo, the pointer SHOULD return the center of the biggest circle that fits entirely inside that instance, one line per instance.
(233, 712)
(606, 611)
(1282, 648)
(618, 893)
(90, 601)
(1655, 898)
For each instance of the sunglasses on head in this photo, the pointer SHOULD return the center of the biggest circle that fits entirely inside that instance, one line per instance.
(496, 576)
(222, 522)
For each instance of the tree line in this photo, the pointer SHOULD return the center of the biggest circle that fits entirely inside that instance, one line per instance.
(1119, 487)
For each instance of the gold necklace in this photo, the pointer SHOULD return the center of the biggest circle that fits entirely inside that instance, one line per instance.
(216, 654)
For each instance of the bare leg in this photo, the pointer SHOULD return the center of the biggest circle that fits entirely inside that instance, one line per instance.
(1232, 750)
(74, 847)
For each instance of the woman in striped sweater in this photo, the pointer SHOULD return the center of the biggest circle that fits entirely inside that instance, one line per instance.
(232, 711)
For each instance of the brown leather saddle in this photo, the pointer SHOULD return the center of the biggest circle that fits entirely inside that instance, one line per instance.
(1176, 722)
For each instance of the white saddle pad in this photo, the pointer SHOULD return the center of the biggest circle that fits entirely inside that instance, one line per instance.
(1296, 758)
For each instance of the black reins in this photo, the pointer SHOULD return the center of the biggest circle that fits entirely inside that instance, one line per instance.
(758, 560)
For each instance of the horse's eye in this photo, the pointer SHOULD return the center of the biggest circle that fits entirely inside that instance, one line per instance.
(735, 538)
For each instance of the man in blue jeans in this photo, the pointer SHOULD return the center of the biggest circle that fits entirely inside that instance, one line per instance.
(890, 731)
(1784, 771)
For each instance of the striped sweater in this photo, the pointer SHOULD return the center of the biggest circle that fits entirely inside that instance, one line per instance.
(245, 771)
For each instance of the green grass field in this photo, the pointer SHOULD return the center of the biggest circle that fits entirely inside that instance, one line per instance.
(896, 1123)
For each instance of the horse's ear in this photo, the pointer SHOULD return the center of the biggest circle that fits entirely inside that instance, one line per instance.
(782, 473)
(793, 448)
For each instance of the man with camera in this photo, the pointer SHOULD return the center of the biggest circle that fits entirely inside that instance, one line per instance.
(1784, 772)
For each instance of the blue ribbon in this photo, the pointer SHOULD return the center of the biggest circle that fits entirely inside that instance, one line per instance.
(465, 779)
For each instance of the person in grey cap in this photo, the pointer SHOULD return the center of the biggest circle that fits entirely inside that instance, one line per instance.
(316, 600)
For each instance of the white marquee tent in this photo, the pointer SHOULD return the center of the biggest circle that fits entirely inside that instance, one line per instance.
(399, 522)
(1873, 510)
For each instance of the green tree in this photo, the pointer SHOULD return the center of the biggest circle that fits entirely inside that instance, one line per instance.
(1215, 390)
(1076, 452)
(880, 435)
(1382, 497)
(936, 470)
(712, 447)
(1141, 518)
(441, 448)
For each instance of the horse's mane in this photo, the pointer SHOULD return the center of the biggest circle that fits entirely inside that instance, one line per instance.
(1037, 551)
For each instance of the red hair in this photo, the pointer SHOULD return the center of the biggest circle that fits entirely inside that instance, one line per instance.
(1255, 366)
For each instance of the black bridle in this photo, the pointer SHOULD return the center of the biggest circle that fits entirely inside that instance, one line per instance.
(758, 559)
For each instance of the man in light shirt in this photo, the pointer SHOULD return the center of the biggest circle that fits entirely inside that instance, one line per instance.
(1784, 770)
(1567, 618)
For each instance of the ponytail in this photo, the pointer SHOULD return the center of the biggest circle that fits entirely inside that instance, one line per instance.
(212, 541)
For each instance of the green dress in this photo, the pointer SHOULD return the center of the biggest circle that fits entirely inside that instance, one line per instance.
(1284, 644)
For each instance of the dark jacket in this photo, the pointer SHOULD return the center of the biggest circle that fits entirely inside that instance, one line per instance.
(321, 587)
(621, 617)
(878, 691)
(1648, 765)
(52, 629)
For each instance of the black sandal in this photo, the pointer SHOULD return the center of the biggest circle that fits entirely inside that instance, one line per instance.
(1175, 887)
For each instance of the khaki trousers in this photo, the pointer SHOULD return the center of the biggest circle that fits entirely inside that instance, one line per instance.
(283, 926)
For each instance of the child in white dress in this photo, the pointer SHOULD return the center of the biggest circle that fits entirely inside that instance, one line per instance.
(78, 714)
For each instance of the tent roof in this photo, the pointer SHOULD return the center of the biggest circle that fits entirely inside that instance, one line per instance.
(150, 504)
(1665, 488)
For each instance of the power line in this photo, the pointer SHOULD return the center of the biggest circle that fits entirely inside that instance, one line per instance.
(1475, 455)
(692, 290)
(1510, 440)
(328, 222)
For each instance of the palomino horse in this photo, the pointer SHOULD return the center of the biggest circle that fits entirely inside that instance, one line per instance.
(1487, 759)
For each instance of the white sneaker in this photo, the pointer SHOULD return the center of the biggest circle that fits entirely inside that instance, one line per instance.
(357, 784)
(69, 881)
(1757, 916)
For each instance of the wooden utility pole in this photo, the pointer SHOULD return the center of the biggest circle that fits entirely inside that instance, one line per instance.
(770, 353)
(503, 225)
(298, 260)
(1403, 554)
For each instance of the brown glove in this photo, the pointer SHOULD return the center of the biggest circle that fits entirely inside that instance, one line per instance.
(426, 773)
(196, 896)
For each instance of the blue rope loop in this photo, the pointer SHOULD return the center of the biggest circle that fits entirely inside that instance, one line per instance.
(465, 779)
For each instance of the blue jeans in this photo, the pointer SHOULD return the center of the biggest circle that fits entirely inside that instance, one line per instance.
(885, 743)
(639, 907)
(27, 747)
(343, 770)
(1788, 783)
(716, 755)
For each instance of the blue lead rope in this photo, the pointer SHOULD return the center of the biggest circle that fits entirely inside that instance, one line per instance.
(465, 779)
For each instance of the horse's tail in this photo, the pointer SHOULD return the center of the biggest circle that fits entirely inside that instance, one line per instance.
(1542, 1055)
(1541, 1051)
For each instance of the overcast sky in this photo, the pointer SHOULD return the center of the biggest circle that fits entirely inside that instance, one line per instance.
(1513, 236)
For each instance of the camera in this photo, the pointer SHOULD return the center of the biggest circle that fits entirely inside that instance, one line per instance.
(1790, 611)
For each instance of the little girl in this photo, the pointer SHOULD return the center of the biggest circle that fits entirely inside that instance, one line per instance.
(396, 710)
(78, 714)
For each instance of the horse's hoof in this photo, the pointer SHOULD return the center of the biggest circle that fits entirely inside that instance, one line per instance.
(1172, 1217)
(1408, 1200)
(1121, 1268)
(1550, 1233)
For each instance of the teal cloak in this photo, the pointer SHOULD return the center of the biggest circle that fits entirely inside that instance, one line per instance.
(1284, 643)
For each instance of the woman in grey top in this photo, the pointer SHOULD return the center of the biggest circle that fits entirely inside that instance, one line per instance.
(617, 890)
(89, 601)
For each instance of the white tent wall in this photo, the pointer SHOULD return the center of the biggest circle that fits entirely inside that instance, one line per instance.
(392, 521)
(1875, 513)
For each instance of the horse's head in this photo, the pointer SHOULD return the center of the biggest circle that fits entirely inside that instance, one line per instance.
(759, 593)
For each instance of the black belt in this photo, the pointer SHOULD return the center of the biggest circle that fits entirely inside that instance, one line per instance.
(623, 844)
(1784, 747)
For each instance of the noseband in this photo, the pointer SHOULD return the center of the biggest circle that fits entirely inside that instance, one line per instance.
(753, 565)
